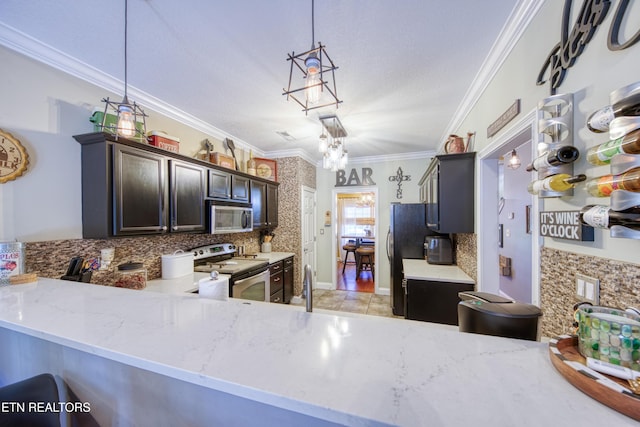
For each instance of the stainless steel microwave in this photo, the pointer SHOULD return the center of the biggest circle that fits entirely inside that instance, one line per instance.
(230, 218)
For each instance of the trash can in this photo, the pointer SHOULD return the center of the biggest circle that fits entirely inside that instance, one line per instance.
(489, 314)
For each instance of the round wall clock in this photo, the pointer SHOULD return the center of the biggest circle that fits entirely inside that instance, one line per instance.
(13, 157)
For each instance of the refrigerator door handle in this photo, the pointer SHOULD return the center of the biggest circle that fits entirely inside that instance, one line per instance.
(388, 242)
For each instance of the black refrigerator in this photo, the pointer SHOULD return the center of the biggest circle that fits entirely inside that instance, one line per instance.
(405, 239)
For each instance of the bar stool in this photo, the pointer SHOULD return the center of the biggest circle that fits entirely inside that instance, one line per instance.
(43, 388)
(349, 247)
(365, 257)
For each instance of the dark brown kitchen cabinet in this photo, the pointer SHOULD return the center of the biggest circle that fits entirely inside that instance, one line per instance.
(276, 270)
(281, 280)
(433, 301)
(240, 189)
(272, 206)
(131, 188)
(447, 187)
(288, 276)
(264, 201)
(228, 186)
(219, 185)
(140, 194)
(187, 196)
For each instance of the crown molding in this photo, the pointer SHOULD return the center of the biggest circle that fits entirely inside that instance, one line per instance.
(41, 52)
(298, 152)
(513, 29)
(293, 152)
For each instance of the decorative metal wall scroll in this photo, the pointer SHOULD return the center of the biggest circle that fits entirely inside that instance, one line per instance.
(399, 177)
(564, 54)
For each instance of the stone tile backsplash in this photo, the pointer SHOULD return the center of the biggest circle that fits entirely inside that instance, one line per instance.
(619, 286)
(51, 258)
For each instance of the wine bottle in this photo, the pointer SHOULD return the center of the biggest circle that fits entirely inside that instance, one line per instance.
(251, 164)
(599, 216)
(604, 185)
(559, 156)
(558, 182)
(624, 102)
(602, 154)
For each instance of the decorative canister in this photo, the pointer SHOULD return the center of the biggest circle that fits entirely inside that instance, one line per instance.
(131, 275)
(11, 260)
(609, 334)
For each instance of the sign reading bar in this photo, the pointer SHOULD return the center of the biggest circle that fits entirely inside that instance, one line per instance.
(564, 225)
(354, 179)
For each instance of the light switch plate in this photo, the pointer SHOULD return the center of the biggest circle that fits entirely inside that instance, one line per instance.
(588, 289)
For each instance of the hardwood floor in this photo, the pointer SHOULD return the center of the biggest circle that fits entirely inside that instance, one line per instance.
(349, 282)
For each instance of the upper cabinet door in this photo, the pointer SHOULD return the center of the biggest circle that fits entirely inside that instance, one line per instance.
(259, 204)
(272, 205)
(240, 191)
(219, 185)
(187, 196)
(140, 195)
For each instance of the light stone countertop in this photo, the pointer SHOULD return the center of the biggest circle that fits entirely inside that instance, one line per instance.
(184, 285)
(274, 257)
(420, 269)
(360, 370)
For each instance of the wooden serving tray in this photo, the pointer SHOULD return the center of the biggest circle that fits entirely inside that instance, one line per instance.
(608, 390)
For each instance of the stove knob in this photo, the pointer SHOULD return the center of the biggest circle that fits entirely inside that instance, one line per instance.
(201, 252)
(195, 253)
(232, 247)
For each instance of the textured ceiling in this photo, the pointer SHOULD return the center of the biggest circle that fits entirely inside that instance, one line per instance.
(404, 66)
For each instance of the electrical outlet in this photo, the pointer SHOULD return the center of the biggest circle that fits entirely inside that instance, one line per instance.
(588, 289)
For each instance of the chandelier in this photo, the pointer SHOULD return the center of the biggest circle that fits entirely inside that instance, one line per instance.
(127, 114)
(318, 72)
(332, 146)
(366, 200)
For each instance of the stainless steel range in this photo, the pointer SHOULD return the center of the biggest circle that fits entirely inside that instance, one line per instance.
(250, 278)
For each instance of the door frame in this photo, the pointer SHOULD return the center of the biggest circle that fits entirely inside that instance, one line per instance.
(487, 178)
(305, 189)
(334, 229)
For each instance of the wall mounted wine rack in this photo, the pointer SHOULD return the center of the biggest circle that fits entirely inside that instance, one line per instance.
(555, 130)
(623, 199)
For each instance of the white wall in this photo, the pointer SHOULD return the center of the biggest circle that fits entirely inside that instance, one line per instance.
(594, 75)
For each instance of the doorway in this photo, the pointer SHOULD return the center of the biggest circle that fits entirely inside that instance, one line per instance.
(514, 224)
(355, 213)
(522, 136)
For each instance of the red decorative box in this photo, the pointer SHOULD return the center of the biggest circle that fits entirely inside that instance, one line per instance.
(164, 141)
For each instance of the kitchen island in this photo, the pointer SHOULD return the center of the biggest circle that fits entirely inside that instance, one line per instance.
(153, 358)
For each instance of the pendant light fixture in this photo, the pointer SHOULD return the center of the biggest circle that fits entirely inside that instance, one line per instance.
(318, 72)
(335, 154)
(127, 114)
(514, 161)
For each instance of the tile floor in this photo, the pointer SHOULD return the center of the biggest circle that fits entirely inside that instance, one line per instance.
(353, 302)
